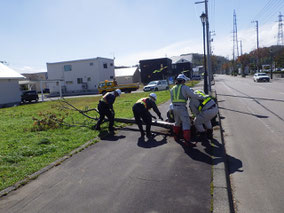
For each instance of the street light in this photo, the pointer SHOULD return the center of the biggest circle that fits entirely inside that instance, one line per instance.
(203, 18)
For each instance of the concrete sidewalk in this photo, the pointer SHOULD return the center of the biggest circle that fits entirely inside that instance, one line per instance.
(124, 174)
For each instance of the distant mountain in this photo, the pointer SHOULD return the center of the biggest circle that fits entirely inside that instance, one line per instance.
(217, 61)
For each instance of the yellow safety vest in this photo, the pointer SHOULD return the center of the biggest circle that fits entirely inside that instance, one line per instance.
(142, 101)
(177, 94)
(205, 101)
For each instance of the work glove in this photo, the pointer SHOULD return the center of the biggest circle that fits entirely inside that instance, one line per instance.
(161, 118)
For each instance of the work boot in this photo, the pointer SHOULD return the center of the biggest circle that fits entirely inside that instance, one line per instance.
(209, 133)
(97, 127)
(149, 135)
(176, 130)
(142, 134)
(186, 136)
(111, 132)
(203, 136)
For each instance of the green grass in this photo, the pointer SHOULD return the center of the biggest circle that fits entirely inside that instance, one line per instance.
(23, 151)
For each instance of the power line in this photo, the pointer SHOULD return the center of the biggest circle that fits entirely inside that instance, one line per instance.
(280, 40)
(235, 37)
(279, 4)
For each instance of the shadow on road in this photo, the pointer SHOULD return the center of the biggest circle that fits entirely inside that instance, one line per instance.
(151, 143)
(256, 99)
(213, 154)
(234, 164)
(246, 113)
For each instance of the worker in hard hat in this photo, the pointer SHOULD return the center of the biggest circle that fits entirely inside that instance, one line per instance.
(204, 112)
(141, 112)
(180, 93)
(105, 108)
(170, 114)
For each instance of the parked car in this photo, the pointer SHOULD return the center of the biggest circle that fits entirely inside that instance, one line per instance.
(46, 90)
(29, 96)
(258, 77)
(196, 77)
(156, 85)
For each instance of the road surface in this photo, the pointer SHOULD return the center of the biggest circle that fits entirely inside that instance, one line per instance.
(253, 121)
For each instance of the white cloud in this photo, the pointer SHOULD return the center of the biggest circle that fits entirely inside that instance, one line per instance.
(28, 69)
(174, 49)
(222, 45)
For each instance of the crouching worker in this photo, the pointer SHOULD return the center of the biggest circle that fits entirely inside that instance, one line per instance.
(170, 114)
(105, 108)
(141, 111)
(204, 112)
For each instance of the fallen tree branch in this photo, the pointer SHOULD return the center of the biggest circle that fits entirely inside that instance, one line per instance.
(78, 110)
(163, 124)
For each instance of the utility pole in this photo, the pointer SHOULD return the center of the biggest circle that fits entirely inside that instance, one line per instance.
(257, 45)
(241, 47)
(207, 44)
(280, 40)
(235, 35)
(235, 42)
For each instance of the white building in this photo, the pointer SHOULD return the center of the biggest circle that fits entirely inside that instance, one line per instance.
(10, 93)
(79, 76)
(34, 81)
(127, 75)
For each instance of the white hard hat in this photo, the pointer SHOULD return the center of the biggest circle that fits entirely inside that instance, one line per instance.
(153, 95)
(182, 77)
(118, 91)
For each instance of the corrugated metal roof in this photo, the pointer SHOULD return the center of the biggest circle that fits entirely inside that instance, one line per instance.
(8, 73)
(181, 59)
(125, 71)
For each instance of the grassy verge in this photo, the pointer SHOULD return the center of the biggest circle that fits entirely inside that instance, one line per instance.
(23, 150)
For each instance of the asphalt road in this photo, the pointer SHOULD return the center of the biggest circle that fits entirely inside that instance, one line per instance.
(122, 174)
(253, 120)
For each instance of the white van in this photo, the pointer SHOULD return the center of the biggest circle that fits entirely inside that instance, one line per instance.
(156, 85)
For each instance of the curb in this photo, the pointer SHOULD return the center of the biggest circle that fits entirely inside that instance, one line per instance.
(33, 176)
(222, 194)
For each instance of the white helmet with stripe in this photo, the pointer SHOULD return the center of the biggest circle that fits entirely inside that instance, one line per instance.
(153, 96)
(118, 91)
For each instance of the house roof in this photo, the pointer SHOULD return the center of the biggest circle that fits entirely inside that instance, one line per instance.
(79, 60)
(182, 59)
(125, 71)
(8, 73)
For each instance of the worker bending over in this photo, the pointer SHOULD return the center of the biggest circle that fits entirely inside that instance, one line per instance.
(105, 108)
(204, 112)
(141, 111)
(179, 95)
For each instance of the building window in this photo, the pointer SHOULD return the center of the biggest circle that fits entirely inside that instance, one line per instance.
(89, 79)
(111, 64)
(111, 77)
(105, 65)
(91, 64)
(69, 82)
(67, 67)
(79, 80)
(174, 66)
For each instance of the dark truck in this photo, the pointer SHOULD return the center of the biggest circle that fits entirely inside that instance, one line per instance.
(29, 96)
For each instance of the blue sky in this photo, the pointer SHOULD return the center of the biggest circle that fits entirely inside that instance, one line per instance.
(34, 32)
